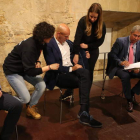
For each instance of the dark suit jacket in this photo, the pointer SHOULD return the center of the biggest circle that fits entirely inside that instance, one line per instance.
(118, 53)
(52, 55)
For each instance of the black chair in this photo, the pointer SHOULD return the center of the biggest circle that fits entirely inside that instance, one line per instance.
(61, 104)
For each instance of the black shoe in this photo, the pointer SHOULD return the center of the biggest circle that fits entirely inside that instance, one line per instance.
(86, 119)
(129, 106)
(67, 95)
(134, 101)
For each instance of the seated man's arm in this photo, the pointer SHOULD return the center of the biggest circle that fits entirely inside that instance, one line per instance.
(115, 52)
(51, 56)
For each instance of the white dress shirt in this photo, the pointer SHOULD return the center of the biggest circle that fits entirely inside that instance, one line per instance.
(65, 52)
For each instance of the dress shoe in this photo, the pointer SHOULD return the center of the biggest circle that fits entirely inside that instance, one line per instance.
(129, 106)
(87, 119)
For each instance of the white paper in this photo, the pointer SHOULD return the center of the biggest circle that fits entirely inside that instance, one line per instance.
(133, 66)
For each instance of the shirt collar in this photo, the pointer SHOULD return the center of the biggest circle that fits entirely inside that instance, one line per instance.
(59, 42)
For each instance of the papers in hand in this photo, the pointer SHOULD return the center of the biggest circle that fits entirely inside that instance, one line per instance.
(133, 66)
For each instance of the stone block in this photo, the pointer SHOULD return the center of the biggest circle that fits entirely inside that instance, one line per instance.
(124, 5)
(59, 6)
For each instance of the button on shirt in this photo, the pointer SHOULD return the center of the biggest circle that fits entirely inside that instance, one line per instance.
(65, 52)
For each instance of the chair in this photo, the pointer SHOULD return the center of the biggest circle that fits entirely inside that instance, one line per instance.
(61, 105)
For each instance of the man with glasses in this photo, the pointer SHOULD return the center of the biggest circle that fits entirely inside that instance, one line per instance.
(125, 51)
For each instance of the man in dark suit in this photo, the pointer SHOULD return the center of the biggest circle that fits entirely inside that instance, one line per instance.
(59, 50)
(126, 50)
(14, 108)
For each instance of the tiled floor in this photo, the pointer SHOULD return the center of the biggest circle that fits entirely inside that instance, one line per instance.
(118, 124)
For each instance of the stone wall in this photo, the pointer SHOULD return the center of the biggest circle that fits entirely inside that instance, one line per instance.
(18, 18)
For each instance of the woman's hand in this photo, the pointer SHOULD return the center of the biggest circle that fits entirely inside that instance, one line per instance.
(83, 45)
(0, 93)
(76, 59)
(77, 66)
(87, 54)
(38, 65)
(54, 66)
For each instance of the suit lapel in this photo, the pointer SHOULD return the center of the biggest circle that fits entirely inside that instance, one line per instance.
(126, 43)
(137, 51)
(56, 48)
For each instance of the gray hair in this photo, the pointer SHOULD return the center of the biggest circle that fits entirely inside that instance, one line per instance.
(135, 28)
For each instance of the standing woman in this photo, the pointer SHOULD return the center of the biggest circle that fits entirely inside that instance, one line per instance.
(89, 36)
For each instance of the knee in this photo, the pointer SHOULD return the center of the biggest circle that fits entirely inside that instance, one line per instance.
(84, 72)
(41, 86)
(25, 99)
(126, 77)
(17, 106)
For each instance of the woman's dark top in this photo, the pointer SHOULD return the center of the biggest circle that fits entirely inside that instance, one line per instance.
(92, 41)
(23, 57)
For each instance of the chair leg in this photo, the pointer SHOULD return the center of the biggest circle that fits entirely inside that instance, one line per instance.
(121, 94)
(72, 99)
(61, 106)
(102, 92)
(16, 132)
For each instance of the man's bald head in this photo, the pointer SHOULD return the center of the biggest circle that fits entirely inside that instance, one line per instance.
(62, 33)
(62, 28)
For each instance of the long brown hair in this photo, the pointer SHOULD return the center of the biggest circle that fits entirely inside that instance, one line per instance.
(95, 7)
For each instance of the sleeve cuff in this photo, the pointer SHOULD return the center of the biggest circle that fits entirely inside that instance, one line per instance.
(70, 69)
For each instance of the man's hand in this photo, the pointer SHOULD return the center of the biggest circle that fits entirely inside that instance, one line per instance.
(75, 58)
(136, 70)
(83, 45)
(0, 93)
(38, 65)
(87, 54)
(54, 66)
(125, 63)
(77, 66)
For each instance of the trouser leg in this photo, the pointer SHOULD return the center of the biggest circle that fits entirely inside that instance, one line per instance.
(40, 87)
(14, 108)
(84, 85)
(125, 79)
(79, 78)
(136, 88)
(17, 83)
(92, 61)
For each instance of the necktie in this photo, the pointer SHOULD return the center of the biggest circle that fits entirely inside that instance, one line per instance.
(131, 55)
